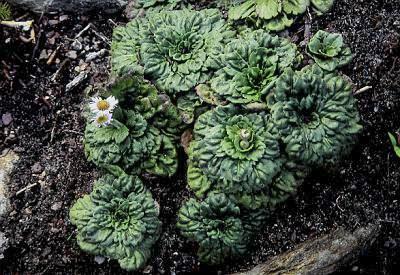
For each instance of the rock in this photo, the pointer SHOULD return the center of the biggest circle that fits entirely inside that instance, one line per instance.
(148, 270)
(72, 55)
(37, 168)
(7, 161)
(324, 255)
(56, 206)
(53, 22)
(38, 6)
(7, 119)
(76, 81)
(92, 56)
(3, 244)
(63, 18)
(43, 55)
(99, 259)
(76, 45)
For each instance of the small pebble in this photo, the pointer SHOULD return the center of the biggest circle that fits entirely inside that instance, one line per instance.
(72, 55)
(63, 18)
(56, 206)
(7, 119)
(76, 45)
(99, 259)
(43, 55)
(37, 168)
(53, 22)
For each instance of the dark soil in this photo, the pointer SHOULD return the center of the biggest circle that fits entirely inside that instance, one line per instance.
(46, 131)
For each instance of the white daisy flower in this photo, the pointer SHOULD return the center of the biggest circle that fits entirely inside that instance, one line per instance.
(102, 118)
(101, 105)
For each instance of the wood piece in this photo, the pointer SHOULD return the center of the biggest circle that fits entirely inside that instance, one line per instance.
(324, 255)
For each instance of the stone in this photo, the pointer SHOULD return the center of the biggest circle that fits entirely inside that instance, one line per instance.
(7, 161)
(53, 22)
(3, 244)
(94, 55)
(76, 81)
(43, 55)
(37, 168)
(326, 254)
(99, 259)
(63, 18)
(56, 206)
(7, 119)
(72, 55)
(39, 6)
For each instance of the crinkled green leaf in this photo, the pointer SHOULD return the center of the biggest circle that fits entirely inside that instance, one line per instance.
(279, 23)
(323, 6)
(179, 47)
(242, 11)
(164, 160)
(119, 220)
(169, 120)
(329, 51)
(253, 63)
(217, 226)
(316, 115)
(135, 139)
(125, 49)
(116, 132)
(232, 152)
(190, 107)
(295, 7)
(134, 93)
(274, 15)
(267, 9)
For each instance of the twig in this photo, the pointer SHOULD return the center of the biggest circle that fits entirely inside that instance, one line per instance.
(102, 37)
(37, 45)
(57, 73)
(26, 25)
(362, 90)
(26, 40)
(53, 55)
(112, 22)
(6, 74)
(84, 30)
(307, 28)
(394, 64)
(52, 133)
(76, 81)
(22, 17)
(26, 188)
(337, 203)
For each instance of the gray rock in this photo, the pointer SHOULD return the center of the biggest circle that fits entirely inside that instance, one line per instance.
(56, 206)
(38, 6)
(7, 161)
(99, 259)
(72, 54)
(76, 81)
(322, 255)
(37, 168)
(3, 244)
(7, 119)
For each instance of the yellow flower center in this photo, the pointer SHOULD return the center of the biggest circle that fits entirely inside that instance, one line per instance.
(103, 105)
(102, 119)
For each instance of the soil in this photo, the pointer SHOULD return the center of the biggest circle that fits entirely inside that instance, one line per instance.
(47, 126)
